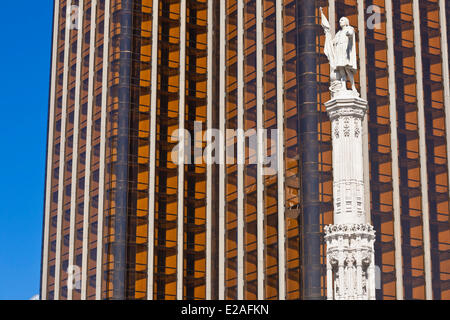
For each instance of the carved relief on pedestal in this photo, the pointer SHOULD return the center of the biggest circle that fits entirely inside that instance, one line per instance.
(357, 123)
(346, 121)
(347, 109)
(336, 128)
(349, 258)
(349, 125)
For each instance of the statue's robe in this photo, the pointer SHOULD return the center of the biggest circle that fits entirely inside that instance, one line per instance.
(345, 49)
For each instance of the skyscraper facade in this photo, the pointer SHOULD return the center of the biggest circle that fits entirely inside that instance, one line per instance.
(237, 210)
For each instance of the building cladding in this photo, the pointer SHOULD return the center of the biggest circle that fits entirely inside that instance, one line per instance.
(122, 220)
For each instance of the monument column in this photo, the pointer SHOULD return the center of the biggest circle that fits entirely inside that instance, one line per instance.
(350, 240)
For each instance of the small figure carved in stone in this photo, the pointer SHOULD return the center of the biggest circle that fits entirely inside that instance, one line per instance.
(364, 283)
(341, 52)
(350, 275)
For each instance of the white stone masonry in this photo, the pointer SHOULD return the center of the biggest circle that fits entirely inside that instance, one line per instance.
(350, 240)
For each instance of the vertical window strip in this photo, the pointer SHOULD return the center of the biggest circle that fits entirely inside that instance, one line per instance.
(181, 154)
(73, 196)
(434, 110)
(422, 150)
(444, 27)
(209, 157)
(332, 18)
(394, 151)
(260, 161)
(280, 152)
(332, 15)
(222, 165)
(240, 150)
(363, 90)
(61, 190)
(85, 253)
(46, 235)
(408, 142)
(445, 74)
(101, 195)
(152, 155)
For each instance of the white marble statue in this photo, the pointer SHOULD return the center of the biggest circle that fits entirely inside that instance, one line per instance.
(341, 52)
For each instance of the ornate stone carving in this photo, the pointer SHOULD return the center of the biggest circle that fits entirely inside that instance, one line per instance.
(336, 128)
(350, 261)
(357, 128)
(346, 126)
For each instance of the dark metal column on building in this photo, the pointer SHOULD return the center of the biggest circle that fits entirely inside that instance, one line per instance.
(215, 73)
(120, 226)
(308, 148)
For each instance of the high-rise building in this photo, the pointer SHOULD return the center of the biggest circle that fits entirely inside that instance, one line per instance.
(127, 217)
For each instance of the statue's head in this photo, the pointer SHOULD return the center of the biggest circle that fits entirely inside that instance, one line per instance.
(344, 22)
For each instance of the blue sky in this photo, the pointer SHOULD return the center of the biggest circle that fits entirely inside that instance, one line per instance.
(24, 83)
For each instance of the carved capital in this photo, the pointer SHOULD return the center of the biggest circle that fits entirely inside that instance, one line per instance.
(346, 105)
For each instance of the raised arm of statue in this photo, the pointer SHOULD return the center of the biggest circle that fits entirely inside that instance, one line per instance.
(328, 49)
(325, 24)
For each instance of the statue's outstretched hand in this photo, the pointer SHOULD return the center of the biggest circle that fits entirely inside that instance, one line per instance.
(324, 21)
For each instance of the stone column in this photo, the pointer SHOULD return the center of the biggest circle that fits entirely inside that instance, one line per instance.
(350, 237)
(346, 113)
(329, 280)
(359, 275)
(372, 287)
(341, 279)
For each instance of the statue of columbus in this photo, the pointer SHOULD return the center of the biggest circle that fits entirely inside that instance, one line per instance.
(341, 52)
